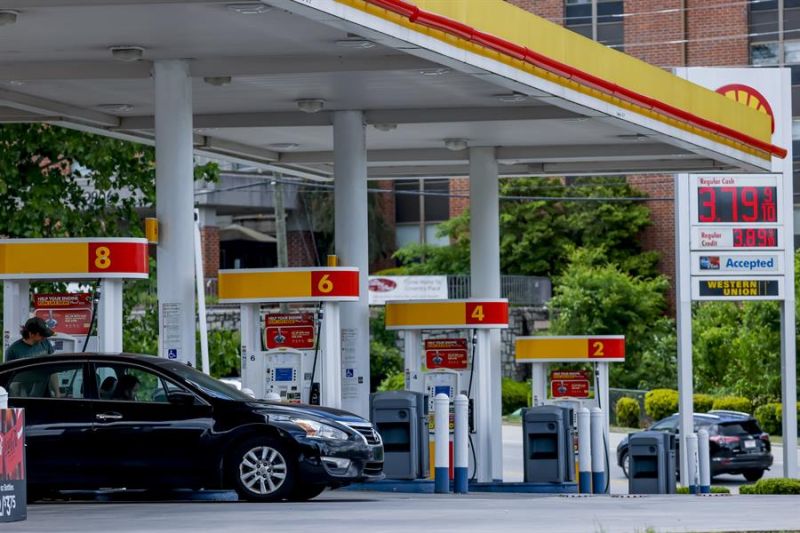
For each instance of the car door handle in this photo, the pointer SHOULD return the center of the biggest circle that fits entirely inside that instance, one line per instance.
(108, 416)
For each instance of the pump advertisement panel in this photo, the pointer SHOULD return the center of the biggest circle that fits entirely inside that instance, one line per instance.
(12, 465)
(569, 383)
(65, 313)
(446, 353)
(289, 330)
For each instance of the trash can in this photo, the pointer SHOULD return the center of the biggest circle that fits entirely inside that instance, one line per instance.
(401, 418)
(652, 463)
(548, 444)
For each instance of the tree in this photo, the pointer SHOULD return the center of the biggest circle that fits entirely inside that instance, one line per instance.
(595, 297)
(59, 182)
(538, 230)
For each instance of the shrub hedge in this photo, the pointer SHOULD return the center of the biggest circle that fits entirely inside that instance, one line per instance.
(515, 395)
(703, 403)
(660, 403)
(715, 489)
(628, 413)
(778, 485)
(769, 418)
(734, 403)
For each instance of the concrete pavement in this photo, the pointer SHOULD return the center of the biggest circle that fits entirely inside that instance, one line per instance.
(347, 512)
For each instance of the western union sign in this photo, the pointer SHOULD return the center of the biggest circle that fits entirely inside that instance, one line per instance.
(737, 289)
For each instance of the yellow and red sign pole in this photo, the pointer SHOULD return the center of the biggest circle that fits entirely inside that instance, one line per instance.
(252, 287)
(111, 260)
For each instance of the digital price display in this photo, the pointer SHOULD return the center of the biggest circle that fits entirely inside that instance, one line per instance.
(737, 204)
(755, 237)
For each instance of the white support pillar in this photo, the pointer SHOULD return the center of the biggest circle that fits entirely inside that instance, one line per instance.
(539, 384)
(485, 443)
(351, 242)
(174, 209)
(485, 280)
(684, 317)
(412, 347)
(109, 316)
(331, 365)
(250, 342)
(16, 309)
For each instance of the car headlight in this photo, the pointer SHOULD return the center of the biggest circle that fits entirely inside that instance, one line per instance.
(319, 430)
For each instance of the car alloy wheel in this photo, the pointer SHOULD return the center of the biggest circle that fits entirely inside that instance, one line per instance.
(626, 464)
(263, 470)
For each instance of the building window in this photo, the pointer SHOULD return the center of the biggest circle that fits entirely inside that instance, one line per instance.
(417, 220)
(610, 30)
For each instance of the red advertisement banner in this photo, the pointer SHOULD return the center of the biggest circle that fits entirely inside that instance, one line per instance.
(289, 330)
(446, 353)
(12, 445)
(570, 383)
(67, 313)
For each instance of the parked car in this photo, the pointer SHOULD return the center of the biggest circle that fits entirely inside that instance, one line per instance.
(139, 422)
(737, 443)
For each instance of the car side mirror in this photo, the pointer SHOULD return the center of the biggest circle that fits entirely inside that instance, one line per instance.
(180, 398)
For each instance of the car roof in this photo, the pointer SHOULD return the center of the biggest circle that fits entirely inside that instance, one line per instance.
(93, 356)
(719, 416)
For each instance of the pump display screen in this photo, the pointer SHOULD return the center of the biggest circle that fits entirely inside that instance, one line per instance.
(441, 389)
(284, 374)
(736, 204)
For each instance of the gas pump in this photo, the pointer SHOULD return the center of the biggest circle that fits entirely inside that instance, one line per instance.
(448, 368)
(296, 355)
(110, 261)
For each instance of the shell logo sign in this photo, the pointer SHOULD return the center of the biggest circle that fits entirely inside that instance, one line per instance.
(750, 97)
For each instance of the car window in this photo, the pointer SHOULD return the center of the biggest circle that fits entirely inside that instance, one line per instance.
(739, 429)
(62, 380)
(133, 384)
(668, 424)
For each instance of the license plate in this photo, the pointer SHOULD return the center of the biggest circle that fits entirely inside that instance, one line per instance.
(749, 444)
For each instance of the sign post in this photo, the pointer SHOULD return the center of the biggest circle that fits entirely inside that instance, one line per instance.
(734, 239)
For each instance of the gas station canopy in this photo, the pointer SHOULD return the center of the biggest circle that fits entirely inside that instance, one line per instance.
(433, 77)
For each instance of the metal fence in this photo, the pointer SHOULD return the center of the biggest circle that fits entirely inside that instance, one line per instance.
(520, 290)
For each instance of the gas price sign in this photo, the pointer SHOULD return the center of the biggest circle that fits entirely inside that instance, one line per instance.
(736, 200)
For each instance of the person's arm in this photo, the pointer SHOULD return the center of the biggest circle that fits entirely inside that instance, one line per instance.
(49, 346)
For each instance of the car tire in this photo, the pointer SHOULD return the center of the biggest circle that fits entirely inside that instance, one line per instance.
(625, 464)
(263, 470)
(753, 475)
(302, 493)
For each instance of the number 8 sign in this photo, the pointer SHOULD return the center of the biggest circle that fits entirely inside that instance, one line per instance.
(116, 257)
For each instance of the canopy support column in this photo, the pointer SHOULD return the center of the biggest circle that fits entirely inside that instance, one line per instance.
(352, 247)
(175, 210)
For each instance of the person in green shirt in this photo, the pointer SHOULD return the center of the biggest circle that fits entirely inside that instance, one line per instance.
(33, 342)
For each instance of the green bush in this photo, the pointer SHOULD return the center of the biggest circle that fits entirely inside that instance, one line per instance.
(515, 395)
(703, 403)
(660, 403)
(628, 413)
(734, 403)
(777, 485)
(396, 381)
(714, 490)
(769, 418)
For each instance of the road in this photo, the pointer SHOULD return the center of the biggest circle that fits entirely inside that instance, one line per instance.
(513, 470)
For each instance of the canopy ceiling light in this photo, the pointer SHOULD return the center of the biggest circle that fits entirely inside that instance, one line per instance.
(217, 81)
(8, 17)
(456, 145)
(249, 8)
(511, 97)
(127, 53)
(283, 147)
(435, 71)
(385, 126)
(310, 105)
(355, 43)
(118, 108)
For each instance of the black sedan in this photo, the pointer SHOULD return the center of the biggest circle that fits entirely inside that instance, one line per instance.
(138, 422)
(737, 444)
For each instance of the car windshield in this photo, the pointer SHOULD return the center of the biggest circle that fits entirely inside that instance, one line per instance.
(207, 384)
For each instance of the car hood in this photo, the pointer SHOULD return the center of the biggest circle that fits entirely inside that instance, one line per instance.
(303, 409)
